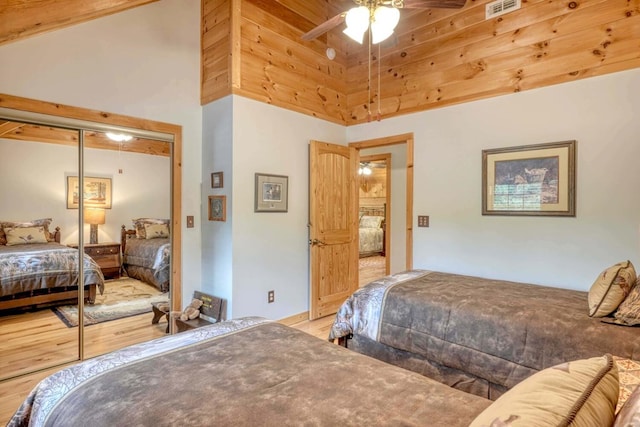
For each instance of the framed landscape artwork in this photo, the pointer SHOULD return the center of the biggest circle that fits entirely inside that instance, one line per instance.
(271, 193)
(97, 192)
(530, 180)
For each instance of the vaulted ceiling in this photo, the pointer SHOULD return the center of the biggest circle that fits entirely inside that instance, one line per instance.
(437, 57)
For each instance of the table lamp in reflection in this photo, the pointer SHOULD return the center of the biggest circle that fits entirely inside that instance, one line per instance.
(94, 217)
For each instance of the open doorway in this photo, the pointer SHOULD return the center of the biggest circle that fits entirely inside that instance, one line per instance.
(398, 225)
(374, 216)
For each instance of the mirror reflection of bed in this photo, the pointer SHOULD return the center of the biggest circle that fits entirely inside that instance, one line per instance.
(372, 215)
(40, 330)
(146, 252)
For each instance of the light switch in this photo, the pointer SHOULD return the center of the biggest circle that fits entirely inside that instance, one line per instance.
(423, 221)
(190, 221)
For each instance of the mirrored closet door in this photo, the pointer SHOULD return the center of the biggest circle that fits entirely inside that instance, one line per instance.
(100, 197)
(127, 184)
(38, 271)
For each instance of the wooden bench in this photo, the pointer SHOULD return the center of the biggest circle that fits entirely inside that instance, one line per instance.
(158, 312)
(210, 312)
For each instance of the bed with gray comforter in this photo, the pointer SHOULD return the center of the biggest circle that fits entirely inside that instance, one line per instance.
(479, 335)
(244, 372)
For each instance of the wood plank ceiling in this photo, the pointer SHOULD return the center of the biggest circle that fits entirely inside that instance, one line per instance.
(20, 19)
(437, 58)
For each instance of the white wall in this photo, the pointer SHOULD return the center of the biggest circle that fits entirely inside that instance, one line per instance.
(217, 238)
(144, 62)
(32, 191)
(398, 227)
(270, 250)
(601, 113)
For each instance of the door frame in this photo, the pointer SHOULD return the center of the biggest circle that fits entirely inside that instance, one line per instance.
(406, 138)
(385, 157)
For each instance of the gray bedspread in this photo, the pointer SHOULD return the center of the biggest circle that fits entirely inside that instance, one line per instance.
(26, 268)
(246, 372)
(496, 330)
(148, 260)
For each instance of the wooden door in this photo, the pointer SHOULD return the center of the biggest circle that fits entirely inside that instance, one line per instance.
(333, 226)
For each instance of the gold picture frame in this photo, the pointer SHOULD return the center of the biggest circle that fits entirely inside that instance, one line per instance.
(530, 180)
(97, 192)
(217, 208)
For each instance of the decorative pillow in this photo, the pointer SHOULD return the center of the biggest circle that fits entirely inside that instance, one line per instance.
(580, 393)
(610, 288)
(24, 235)
(370, 221)
(44, 222)
(629, 415)
(154, 231)
(629, 310)
(139, 223)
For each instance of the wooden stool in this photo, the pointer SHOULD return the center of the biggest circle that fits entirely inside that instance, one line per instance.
(159, 312)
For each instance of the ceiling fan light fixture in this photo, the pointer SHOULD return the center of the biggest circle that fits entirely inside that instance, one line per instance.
(357, 21)
(385, 20)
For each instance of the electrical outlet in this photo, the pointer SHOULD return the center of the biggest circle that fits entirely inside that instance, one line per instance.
(271, 296)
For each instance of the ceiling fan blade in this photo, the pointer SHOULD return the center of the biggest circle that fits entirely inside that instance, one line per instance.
(325, 26)
(429, 4)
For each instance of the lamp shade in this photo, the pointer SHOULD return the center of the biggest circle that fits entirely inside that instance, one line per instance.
(357, 20)
(384, 22)
(94, 216)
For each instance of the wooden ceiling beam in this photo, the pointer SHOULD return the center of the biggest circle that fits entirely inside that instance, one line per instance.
(6, 127)
(22, 19)
(48, 134)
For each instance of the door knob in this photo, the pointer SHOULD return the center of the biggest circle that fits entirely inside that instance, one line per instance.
(314, 242)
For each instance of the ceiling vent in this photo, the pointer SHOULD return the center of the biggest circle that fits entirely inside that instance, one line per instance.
(500, 7)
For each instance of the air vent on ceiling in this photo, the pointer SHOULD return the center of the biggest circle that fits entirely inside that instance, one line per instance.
(500, 7)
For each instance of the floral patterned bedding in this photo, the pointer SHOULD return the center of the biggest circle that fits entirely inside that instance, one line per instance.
(371, 234)
(371, 240)
(148, 260)
(39, 266)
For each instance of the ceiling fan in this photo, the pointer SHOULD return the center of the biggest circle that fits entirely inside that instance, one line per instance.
(381, 15)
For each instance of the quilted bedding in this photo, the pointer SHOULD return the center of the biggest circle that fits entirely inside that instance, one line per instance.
(371, 240)
(33, 267)
(498, 331)
(149, 260)
(243, 372)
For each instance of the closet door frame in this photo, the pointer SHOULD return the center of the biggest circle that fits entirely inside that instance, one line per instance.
(81, 119)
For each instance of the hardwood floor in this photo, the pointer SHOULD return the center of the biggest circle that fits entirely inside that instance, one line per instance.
(99, 339)
(39, 339)
(371, 268)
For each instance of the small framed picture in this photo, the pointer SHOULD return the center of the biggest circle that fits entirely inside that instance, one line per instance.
(217, 208)
(216, 180)
(271, 194)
